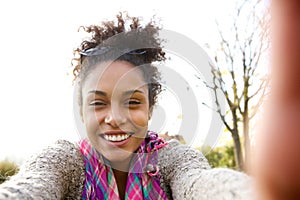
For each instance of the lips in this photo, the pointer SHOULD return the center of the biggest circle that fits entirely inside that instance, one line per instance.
(116, 136)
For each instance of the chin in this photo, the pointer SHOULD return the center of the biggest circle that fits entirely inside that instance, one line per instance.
(118, 157)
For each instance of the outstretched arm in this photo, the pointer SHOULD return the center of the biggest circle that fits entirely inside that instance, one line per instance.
(190, 176)
(55, 173)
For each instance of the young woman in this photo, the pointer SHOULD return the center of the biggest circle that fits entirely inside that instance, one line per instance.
(120, 158)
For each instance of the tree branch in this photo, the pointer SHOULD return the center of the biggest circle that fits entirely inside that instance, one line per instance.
(262, 96)
(262, 85)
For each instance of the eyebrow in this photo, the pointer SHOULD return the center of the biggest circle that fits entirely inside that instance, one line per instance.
(129, 92)
(98, 92)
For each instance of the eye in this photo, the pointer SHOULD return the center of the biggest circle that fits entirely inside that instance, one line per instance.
(132, 102)
(97, 103)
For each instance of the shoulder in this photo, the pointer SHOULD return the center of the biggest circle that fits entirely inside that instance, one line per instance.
(186, 174)
(62, 164)
(175, 160)
(55, 155)
(176, 154)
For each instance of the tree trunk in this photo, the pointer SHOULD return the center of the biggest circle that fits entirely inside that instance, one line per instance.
(246, 139)
(238, 150)
(246, 121)
(237, 142)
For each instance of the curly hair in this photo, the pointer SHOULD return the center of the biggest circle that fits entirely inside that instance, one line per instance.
(120, 41)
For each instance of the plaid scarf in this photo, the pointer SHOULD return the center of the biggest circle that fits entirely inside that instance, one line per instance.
(143, 181)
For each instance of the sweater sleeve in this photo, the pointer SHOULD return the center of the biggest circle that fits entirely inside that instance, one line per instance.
(190, 176)
(55, 173)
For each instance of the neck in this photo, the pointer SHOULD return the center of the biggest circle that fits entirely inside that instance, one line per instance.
(120, 169)
(121, 179)
(122, 166)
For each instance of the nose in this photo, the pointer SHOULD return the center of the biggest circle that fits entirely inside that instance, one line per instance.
(115, 117)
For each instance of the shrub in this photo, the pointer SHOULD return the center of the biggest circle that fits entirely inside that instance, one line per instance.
(7, 169)
(221, 156)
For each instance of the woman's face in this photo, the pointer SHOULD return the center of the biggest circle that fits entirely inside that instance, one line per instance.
(115, 109)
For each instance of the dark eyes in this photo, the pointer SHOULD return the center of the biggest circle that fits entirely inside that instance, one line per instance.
(133, 102)
(97, 103)
(128, 103)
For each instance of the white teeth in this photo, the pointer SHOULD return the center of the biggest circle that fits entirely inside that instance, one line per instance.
(119, 138)
(116, 138)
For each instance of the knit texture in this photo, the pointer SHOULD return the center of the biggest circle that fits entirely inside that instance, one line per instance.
(58, 173)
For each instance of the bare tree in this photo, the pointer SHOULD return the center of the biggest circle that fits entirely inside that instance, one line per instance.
(237, 71)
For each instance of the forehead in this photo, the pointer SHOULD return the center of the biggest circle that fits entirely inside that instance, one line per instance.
(114, 76)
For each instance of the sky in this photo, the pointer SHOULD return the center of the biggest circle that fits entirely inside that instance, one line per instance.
(37, 40)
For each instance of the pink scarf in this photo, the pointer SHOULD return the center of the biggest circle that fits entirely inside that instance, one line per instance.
(143, 181)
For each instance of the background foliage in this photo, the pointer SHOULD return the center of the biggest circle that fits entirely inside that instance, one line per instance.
(221, 157)
(7, 169)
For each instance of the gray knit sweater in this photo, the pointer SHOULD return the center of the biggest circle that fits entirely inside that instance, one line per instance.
(58, 173)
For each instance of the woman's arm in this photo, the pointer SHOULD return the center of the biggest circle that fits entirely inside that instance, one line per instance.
(190, 176)
(55, 173)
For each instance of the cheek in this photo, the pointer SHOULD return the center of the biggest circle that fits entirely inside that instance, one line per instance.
(90, 120)
(139, 118)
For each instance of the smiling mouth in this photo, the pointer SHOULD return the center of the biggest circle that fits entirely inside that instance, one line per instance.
(116, 136)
